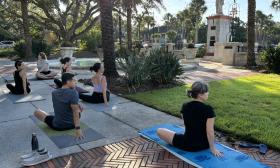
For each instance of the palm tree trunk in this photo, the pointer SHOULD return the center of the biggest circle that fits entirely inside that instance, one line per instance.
(251, 33)
(129, 26)
(149, 37)
(25, 21)
(120, 29)
(106, 7)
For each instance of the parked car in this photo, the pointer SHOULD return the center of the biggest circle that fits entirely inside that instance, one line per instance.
(7, 44)
(199, 45)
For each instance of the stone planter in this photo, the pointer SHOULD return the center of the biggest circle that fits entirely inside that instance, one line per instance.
(189, 53)
(67, 52)
(100, 54)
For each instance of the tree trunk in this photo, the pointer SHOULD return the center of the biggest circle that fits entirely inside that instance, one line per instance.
(251, 33)
(149, 37)
(129, 26)
(25, 23)
(106, 7)
(120, 29)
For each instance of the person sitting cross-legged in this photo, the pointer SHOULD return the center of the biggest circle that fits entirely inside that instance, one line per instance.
(21, 82)
(67, 110)
(100, 92)
(44, 71)
(199, 123)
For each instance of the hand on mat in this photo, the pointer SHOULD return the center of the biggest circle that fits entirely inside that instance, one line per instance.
(217, 153)
(106, 104)
(25, 93)
(81, 108)
(79, 134)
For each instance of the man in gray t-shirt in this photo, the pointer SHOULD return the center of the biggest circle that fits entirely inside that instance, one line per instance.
(62, 100)
(67, 110)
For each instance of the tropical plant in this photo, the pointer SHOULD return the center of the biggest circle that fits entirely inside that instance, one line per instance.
(106, 8)
(238, 30)
(251, 61)
(131, 6)
(171, 35)
(162, 67)
(134, 69)
(149, 20)
(201, 52)
(271, 58)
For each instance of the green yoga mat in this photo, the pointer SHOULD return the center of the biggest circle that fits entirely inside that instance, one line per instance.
(64, 139)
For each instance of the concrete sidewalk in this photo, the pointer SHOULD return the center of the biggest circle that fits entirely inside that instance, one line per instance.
(120, 121)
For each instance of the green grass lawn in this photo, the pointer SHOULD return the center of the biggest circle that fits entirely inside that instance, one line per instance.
(247, 107)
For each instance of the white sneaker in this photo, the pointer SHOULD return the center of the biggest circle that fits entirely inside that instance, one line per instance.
(36, 159)
(33, 153)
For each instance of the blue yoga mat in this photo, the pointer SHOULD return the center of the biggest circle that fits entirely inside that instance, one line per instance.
(231, 159)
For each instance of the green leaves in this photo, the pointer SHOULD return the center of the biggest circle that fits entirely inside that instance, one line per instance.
(157, 69)
(271, 57)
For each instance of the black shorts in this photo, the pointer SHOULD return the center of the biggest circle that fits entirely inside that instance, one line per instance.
(180, 141)
(49, 121)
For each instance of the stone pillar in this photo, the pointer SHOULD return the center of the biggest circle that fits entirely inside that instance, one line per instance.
(218, 32)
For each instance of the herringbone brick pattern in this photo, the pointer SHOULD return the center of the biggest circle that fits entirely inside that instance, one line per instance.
(136, 153)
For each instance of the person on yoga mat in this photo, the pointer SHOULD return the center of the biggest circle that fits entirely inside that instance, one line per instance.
(199, 123)
(44, 72)
(21, 82)
(100, 93)
(65, 67)
(67, 110)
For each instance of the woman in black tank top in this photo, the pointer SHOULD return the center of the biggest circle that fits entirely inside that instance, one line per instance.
(66, 67)
(20, 77)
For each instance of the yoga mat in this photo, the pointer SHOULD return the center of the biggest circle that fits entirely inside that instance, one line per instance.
(24, 99)
(64, 139)
(231, 159)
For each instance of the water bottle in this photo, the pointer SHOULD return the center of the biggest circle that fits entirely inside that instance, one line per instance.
(34, 142)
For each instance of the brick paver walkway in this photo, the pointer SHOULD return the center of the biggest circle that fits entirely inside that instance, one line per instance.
(137, 153)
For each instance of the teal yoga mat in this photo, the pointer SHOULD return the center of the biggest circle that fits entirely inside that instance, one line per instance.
(231, 159)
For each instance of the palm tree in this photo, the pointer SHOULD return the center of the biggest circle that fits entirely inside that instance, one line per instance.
(106, 7)
(149, 20)
(131, 5)
(251, 33)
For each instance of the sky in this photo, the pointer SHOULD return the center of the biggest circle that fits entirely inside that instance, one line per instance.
(173, 6)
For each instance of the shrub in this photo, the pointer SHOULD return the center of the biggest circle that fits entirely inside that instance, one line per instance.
(134, 69)
(92, 40)
(122, 53)
(37, 47)
(190, 45)
(162, 67)
(8, 52)
(271, 58)
(201, 52)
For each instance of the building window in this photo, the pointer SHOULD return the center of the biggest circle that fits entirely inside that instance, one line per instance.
(213, 27)
(212, 40)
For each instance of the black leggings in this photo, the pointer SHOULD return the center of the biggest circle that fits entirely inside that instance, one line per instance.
(15, 90)
(58, 83)
(95, 97)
